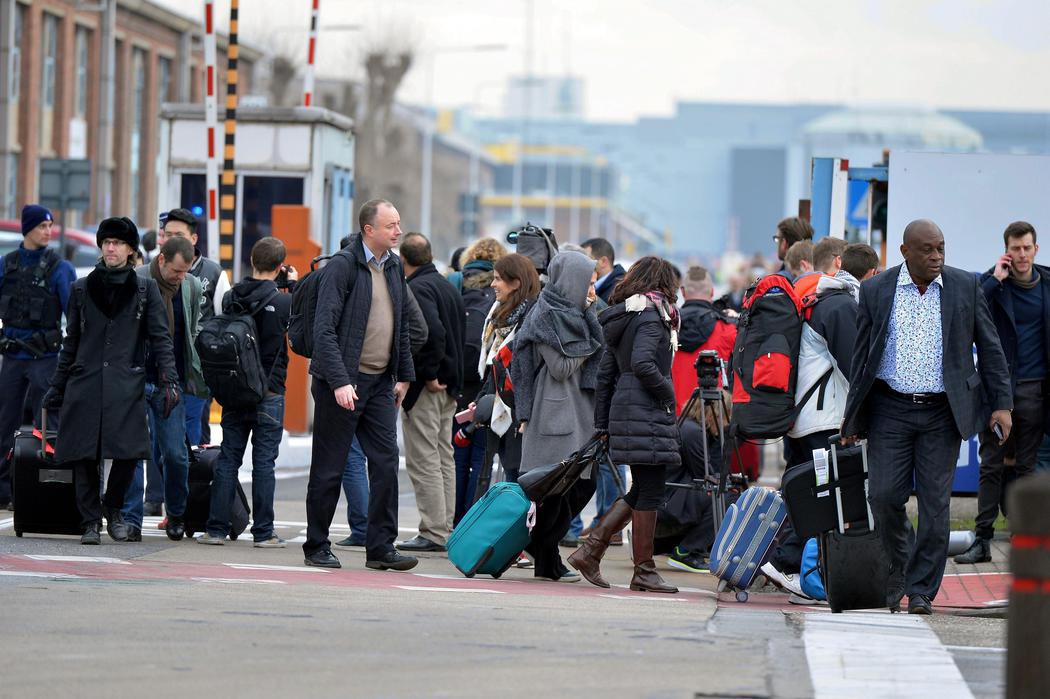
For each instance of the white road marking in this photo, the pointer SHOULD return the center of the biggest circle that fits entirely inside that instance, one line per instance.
(976, 649)
(80, 559)
(888, 642)
(35, 574)
(653, 598)
(5, 523)
(462, 578)
(239, 581)
(264, 566)
(449, 589)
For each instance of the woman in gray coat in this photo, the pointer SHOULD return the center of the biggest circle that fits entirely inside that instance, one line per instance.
(556, 355)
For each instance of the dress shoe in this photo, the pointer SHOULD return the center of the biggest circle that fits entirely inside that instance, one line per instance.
(979, 552)
(919, 604)
(115, 527)
(569, 576)
(134, 533)
(92, 535)
(152, 509)
(417, 544)
(175, 529)
(894, 590)
(323, 559)
(392, 561)
(350, 541)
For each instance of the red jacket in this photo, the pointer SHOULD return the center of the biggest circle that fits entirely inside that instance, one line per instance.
(703, 328)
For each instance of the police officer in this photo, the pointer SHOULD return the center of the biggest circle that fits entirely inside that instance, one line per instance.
(34, 291)
(101, 377)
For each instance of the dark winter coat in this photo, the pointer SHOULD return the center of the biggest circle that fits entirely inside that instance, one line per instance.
(635, 399)
(341, 318)
(271, 321)
(441, 356)
(101, 373)
(688, 506)
(605, 289)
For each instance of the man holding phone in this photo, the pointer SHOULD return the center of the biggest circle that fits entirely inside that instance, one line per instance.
(1018, 293)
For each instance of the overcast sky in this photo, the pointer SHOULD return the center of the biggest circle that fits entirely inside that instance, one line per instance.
(638, 58)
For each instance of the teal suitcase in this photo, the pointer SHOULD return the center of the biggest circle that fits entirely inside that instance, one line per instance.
(493, 532)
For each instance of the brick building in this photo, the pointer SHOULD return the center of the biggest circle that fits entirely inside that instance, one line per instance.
(52, 95)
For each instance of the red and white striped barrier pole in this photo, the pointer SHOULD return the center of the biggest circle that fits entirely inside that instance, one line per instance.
(211, 121)
(311, 52)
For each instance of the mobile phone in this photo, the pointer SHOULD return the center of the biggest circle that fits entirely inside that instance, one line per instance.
(998, 431)
(465, 415)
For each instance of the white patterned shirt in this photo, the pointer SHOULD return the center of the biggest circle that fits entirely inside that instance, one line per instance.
(912, 360)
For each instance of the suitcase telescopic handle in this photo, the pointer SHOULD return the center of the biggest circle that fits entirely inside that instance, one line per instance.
(43, 430)
(835, 438)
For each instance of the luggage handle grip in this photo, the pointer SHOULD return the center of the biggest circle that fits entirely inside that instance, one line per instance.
(834, 439)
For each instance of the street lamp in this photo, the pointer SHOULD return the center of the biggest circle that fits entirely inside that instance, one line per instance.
(425, 199)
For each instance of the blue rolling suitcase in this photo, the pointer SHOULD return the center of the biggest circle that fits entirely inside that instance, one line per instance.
(493, 532)
(743, 541)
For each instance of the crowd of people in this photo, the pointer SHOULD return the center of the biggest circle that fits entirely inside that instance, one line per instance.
(563, 344)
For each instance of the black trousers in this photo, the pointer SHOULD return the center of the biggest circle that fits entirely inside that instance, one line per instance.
(787, 556)
(87, 481)
(1001, 465)
(374, 421)
(553, 517)
(912, 443)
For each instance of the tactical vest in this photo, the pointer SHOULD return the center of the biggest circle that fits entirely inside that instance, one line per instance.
(27, 300)
(207, 271)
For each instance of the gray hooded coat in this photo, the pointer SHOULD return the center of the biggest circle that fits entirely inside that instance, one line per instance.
(556, 355)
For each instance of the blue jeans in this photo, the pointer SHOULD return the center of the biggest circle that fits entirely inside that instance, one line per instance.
(469, 462)
(606, 491)
(355, 487)
(132, 509)
(265, 424)
(194, 409)
(169, 454)
(1043, 461)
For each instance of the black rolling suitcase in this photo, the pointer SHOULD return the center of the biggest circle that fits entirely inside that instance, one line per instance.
(853, 563)
(44, 493)
(814, 497)
(198, 503)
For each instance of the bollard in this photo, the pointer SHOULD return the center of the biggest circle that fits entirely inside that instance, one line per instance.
(1028, 628)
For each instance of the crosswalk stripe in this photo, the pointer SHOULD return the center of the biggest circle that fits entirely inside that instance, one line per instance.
(79, 559)
(420, 588)
(240, 581)
(36, 574)
(264, 566)
(837, 669)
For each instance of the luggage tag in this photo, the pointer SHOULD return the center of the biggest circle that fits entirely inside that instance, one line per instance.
(530, 518)
(820, 469)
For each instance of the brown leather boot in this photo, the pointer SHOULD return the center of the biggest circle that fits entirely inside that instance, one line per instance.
(646, 579)
(588, 557)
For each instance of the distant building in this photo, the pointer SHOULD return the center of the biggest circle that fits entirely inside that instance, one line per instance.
(51, 95)
(538, 97)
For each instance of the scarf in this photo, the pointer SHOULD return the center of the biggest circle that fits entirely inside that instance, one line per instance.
(1033, 280)
(557, 322)
(167, 292)
(667, 310)
(106, 283)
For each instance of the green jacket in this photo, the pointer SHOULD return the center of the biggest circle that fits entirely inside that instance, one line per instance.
(192, 305)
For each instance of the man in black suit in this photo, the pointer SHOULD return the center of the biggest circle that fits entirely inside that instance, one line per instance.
(915, 393)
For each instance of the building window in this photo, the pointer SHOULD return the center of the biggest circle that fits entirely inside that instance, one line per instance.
(49, 60)
(14, 84)
(163, 80)
(138, 109)
(80, 85)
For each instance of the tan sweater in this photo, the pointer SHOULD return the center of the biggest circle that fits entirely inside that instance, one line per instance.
(379, 335)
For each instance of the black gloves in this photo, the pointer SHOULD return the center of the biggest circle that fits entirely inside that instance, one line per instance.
(171, 397)
(52, 400)
(601, 434)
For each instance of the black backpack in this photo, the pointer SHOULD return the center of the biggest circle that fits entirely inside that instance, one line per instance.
(228, 347)
(478, 303)
(304, 303)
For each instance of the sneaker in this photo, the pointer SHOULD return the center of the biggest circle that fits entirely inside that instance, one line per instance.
(803, 600)
(788, 582)
(523, 561)
(207, 538)
(688, 561)
(274, 542)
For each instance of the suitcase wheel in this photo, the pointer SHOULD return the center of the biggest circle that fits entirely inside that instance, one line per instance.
(469, 575)
(18, 533)
(497, 576)
(741, 596)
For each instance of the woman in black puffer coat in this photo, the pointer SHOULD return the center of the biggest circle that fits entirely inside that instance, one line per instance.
(635, 408)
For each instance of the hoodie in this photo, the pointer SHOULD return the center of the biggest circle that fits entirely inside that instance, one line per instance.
(271, 320)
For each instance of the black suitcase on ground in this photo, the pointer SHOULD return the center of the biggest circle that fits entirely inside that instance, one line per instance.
(814, 508)
(198, 503)
(854, 568)
(44, 494)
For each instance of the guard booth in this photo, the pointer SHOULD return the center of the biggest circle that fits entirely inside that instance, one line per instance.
(295, 181)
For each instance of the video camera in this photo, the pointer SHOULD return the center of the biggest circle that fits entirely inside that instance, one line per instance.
(708, 370)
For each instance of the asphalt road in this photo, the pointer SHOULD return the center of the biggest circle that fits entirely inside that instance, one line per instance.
(163, 619)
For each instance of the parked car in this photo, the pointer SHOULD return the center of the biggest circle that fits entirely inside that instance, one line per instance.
(81, 248)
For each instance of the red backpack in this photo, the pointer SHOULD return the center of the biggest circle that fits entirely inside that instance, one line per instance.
(765, 360)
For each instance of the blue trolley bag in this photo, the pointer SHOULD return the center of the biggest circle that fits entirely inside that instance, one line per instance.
(493, 532)
(743, 542)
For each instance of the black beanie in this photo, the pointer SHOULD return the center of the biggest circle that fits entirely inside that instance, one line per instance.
(120, 228)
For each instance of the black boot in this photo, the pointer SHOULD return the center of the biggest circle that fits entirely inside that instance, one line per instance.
(92, 535)
(979, 552)
(115, 526)
(176, 529)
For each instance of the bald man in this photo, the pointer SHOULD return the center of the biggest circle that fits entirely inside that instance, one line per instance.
(914, 392)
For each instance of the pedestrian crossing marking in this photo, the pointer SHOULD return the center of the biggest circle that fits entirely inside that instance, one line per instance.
(80, 559)
(240, 581)
(264, 566)
(415, 588)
